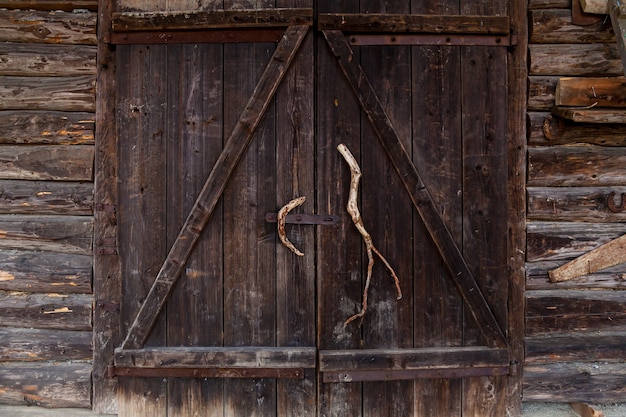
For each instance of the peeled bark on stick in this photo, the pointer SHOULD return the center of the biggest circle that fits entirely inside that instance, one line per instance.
(353, 210)
(282, 214)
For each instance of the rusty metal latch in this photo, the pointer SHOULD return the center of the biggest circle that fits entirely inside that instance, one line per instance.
(318, 219)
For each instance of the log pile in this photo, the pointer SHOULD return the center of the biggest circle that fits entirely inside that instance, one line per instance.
(47, 106)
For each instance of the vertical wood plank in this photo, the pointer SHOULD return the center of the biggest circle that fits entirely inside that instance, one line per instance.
(250, 242)
(141, 217)
(437, 153)
(483, 82)
(339, 248)
(194, 140)
(387, 212)
(295, 169)
(106, 269)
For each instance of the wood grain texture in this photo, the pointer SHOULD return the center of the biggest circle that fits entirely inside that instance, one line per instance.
(591, 91)
(46, 384)
(46, 127)
(47, 60)
(46, 197)
(46, 311)
(48, 93)
(581, 346)
(592, 60)
(593, 115)
(583, 204)
(564, 132)
(38, 345)
(555, 26)
(48, 27)
(541, 91)
(31, 271)
(65, 5)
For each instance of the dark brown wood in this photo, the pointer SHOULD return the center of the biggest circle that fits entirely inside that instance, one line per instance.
(65, 234)
(583, 346)
(45, 272)
(573, 382)
(365, 39)
(30, 345)
(195, 373)
(555, 26)
(65, 163)
(567, 311)
(48, 93)
(594, 60)
(562, 131)
(549, 4)
(65, 5)
(420, 197)
(47, 60)
(46, 197)
(583, 92)
(575, 166)
(46, 311)
(107, 279)
(541, 90)
(573, 204)
(48, 27)
(197, 36)
(567, 240)
(617, 13)
(46, 127)
(537, 278)
(233, 150)
(217, 357)
(46, 384)
(594, 115)
(373, 22)
(217, 19)
(385, 377)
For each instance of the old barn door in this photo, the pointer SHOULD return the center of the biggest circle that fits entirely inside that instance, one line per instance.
(223, 115)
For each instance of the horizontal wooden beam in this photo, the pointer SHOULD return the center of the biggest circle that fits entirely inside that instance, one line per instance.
(591, 91)
(406, 364)
(430, 39)
(414, 23)
(220, 19)
(593, 115)
(271, 35)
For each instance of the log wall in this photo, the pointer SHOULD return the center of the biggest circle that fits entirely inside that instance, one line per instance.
(575, 330)
(47, 113)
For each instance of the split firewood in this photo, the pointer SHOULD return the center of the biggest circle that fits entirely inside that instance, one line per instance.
(585, 410)
(282, 214)
(353, 210)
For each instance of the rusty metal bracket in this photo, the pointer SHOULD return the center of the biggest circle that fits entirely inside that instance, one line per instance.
(108, 306)
(106, 246)
(318, 219)
(283, 373)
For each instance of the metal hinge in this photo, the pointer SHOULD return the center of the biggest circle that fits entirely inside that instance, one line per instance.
(106, 246)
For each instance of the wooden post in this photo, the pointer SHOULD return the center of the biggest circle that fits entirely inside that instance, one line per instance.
(617, 10)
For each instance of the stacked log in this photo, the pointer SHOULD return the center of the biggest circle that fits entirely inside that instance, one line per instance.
(47, 113)
(575, 329)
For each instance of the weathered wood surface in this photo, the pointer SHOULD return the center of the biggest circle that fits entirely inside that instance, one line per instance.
(43, 162)
(569, 311)
(414, 23)
(555, 26)
(46, 127)
(587, 204)
(51, 5)
(579, 166)
(583, 92)
(37, 345)
(48, 93)
(549, 4)
(45, 272)
(47, 60)
(43, 27)
(583, 346)
(106, 268)
(595, 382)
(217, 19)
(46, 384)
(541, 91)
(594, 60)
(609, 279)
(593, 115)
(46, 197)
(545, 129)
(567, 240)
(595, 6)
(598, 259)
(46, 311)
(63, 234)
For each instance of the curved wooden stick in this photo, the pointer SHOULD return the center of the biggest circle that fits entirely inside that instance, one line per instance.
(353, 210)
(280, 218)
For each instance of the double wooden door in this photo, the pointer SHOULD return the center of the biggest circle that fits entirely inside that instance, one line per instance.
(219, 125)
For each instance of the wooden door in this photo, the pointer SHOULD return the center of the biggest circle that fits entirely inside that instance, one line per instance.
(222, 121)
